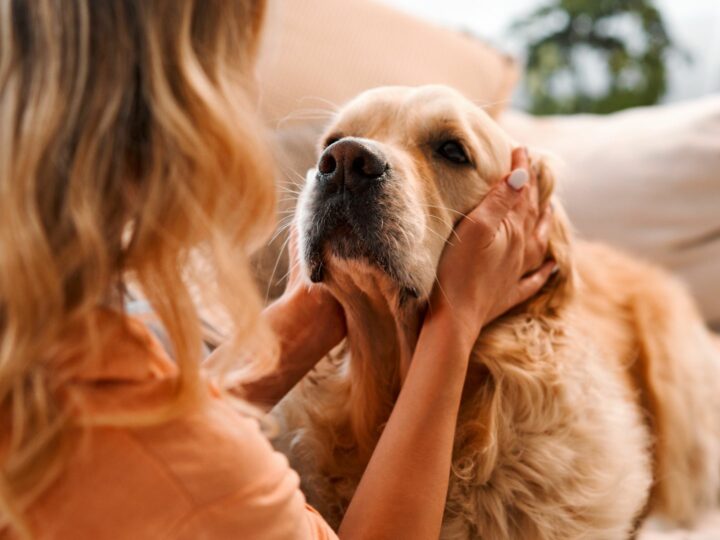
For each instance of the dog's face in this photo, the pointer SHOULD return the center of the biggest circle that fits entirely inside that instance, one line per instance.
(398, 167)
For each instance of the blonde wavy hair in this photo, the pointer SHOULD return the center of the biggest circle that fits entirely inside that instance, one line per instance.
(128, 143)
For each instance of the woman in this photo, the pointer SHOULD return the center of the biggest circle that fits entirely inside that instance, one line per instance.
(128, 143)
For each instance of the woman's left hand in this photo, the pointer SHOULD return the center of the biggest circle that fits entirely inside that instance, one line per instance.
(308, 322)
(311, 303)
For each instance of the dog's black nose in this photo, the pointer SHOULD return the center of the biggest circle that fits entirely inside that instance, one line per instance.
(351, 164)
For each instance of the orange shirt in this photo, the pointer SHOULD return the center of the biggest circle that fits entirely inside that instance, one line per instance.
(209, 474)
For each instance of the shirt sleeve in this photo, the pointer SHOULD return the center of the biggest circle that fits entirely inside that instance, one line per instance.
(232, 518)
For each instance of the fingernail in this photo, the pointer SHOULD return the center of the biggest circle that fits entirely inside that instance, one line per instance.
(518, 178)
(310, 174)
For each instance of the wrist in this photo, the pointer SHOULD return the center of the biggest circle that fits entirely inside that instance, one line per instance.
(315, 306)
(308, 301)
(459, 327)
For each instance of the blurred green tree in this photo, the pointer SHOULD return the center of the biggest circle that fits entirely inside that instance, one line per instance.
(572, 42)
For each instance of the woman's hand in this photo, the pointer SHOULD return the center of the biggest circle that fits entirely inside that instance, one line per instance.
(403, 490)
(498, 258)
(312, 303)
(308, 322)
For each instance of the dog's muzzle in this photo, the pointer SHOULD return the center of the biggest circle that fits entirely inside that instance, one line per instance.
(346, 205)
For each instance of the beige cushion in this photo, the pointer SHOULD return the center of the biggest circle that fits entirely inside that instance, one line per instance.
(317, 54)
(647, 180)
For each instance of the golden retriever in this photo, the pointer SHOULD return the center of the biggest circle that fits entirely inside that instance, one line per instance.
(584, 409)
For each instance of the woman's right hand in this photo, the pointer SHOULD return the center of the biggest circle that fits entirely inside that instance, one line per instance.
(498, 258)
(403, 491)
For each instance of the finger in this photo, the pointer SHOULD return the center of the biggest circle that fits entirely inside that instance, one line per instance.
(543, 227)
(531, 285)
(506, 195)
(496, 205)
(520, 176)
(519, 169)
(536, 245)
(520, 159)
(528, 206)
(533, 190)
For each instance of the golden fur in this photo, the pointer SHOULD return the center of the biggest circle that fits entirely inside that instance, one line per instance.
(584, 409)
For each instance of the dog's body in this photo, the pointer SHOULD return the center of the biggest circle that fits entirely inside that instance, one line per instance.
(584, 409)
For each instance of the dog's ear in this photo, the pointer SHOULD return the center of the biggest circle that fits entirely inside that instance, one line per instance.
(561, 283)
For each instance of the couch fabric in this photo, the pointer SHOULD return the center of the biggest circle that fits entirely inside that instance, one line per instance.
(317, 54)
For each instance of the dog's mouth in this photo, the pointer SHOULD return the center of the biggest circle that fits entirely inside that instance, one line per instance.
(346, 228)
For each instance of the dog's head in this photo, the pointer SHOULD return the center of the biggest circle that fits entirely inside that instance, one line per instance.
(398, 167)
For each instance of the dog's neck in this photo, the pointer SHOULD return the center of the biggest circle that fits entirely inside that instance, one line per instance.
(382, 334)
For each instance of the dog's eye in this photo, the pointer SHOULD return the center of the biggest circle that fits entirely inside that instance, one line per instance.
(453, 151)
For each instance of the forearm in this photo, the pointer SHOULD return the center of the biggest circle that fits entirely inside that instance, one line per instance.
(294, 320)
(403, 490)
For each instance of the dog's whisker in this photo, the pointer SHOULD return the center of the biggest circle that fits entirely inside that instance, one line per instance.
(326, 113)
(298, 181)
(291, 185)
(288, 200)
(483, 104)
(304, 115)
(292, 268)
(281, 229)
(299, 176)
(445, 240)
(284, 220)
(284, 223)
(442, 291)
(439, 220)
(447, 209)
(310, 113)
(335, 107)
(271, 282)
(281, 189)
(278, 233)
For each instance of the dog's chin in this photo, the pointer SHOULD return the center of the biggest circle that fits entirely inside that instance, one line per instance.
(337, 265)
(343, 242)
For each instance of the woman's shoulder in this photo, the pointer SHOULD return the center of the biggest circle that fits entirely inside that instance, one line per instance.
(215, 451)
(235, 479)
(210, 473)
